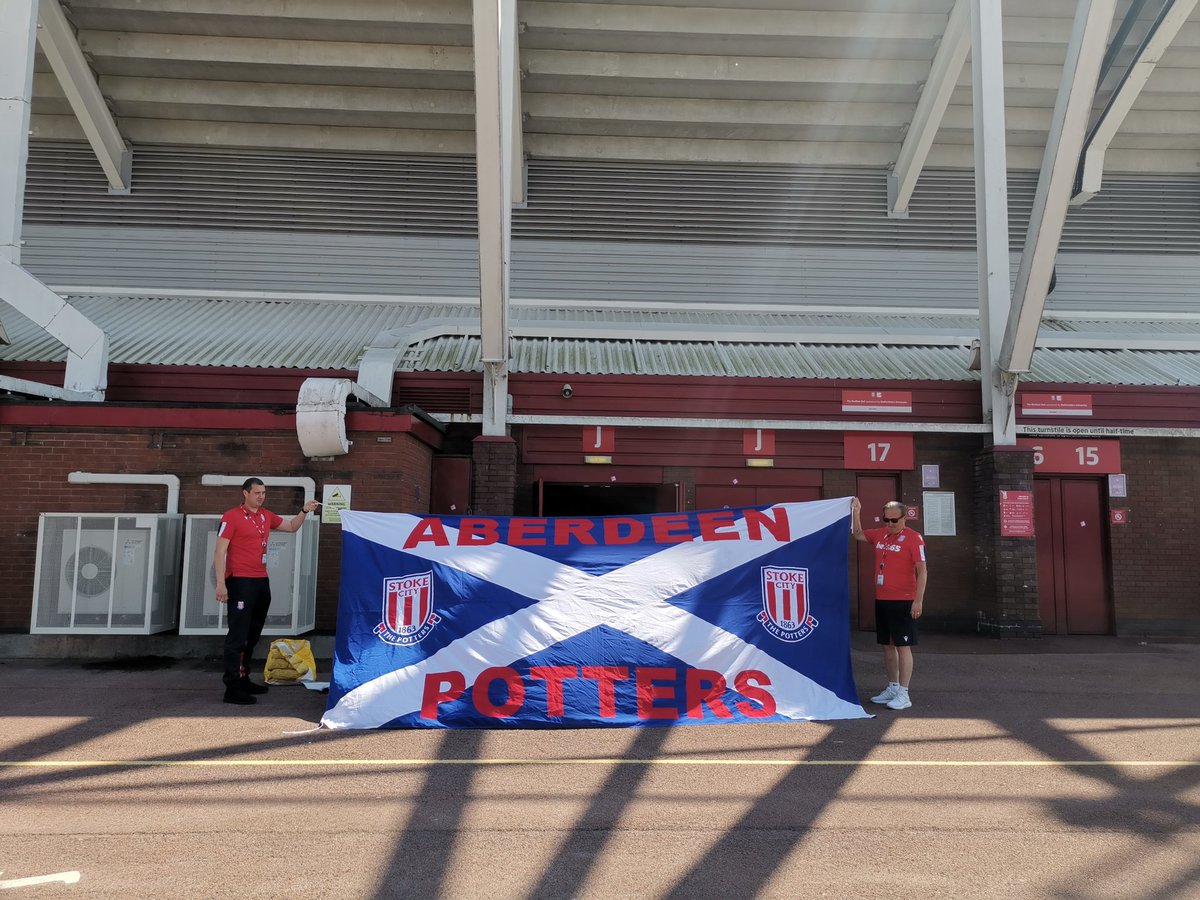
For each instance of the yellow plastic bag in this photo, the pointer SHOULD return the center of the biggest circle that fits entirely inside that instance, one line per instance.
(290, 661)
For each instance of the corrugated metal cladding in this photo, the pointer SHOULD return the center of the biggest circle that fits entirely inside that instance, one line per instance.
(841, 361)
(601, 273)
(324, 335)
(219, 332)
(585, 200)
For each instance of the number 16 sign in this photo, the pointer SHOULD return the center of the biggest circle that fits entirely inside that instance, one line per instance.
(877, 451)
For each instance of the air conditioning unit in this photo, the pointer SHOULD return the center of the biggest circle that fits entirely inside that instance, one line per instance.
(106, 573)
(291, 567)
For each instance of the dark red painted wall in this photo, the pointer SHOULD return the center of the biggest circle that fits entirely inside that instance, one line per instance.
(611, 395)
(1116, 406)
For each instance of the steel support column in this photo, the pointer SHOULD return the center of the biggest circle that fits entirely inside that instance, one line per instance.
(517, 168)
(494, 28)
(17, 40)
(991, 206)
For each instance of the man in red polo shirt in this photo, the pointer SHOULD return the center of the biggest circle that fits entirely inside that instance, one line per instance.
(900, 577)
(240, 564)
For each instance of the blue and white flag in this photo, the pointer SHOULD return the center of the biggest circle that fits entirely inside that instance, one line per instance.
(673, 619)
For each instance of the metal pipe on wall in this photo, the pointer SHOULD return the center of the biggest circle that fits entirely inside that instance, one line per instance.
(171, 482)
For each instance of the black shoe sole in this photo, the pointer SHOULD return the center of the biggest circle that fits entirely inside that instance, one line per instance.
(240, 699)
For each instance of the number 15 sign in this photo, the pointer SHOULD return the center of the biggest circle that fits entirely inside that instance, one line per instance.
(877, 451)
(1070, 455)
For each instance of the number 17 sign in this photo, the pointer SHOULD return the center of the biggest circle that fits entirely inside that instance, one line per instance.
(877, 451)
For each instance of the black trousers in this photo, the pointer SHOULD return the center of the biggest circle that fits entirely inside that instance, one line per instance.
(249, 600)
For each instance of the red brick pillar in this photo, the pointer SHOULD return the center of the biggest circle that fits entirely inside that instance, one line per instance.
(494, 475)
(1005, 567)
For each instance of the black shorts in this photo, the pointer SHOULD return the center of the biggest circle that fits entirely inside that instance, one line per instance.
(894, 623)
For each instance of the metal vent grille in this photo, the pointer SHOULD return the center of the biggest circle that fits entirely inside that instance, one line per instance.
(444, 400)
(263, 191)
(583, 200)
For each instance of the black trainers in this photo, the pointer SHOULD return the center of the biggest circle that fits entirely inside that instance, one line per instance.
(247, 686)
(240, 697)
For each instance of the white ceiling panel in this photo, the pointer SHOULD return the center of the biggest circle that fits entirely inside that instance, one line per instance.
(765, 81)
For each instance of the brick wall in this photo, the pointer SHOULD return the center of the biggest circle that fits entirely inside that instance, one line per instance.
(1155, 558)
(1006, 567)
(386, 477)
(1155, 567)
(494, 470)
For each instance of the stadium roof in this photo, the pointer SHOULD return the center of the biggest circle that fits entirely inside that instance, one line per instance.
(440, 337)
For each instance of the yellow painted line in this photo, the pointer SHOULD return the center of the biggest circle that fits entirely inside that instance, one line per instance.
(619, 761)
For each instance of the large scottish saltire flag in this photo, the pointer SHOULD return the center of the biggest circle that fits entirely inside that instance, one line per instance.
(673, 619)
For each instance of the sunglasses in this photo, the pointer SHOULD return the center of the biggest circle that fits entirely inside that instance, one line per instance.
(892, 521)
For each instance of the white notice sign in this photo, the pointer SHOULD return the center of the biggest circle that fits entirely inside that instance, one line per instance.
(939, 513)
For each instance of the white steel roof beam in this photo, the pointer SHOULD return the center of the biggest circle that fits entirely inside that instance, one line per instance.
(620, 21)
(517, 170)
(87, 344)
(1090, 172)
(169, 52)
(423, 12)
(17, 38)
(991, 206)
(58, 42)
(927, 118)
(164, 95)
(495, 32)
(1067, 128)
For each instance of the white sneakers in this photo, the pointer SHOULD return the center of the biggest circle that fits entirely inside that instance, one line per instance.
(886, 694)
(893, 697)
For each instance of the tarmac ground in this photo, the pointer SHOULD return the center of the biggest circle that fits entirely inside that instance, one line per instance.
(1057, 768)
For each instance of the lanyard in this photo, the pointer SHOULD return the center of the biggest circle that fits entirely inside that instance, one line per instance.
(883, 555)
(258, 520)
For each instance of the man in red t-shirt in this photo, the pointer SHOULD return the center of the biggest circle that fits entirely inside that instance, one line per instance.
(240, 564)
(900, 577)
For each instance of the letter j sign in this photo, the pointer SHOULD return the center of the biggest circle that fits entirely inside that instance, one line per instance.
(599, 439)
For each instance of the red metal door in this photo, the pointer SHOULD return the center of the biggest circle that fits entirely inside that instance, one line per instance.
(1049, 551)
(1073, 564)
(450, 493)
(873, 491)
(668, 498)
(1085, 558)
